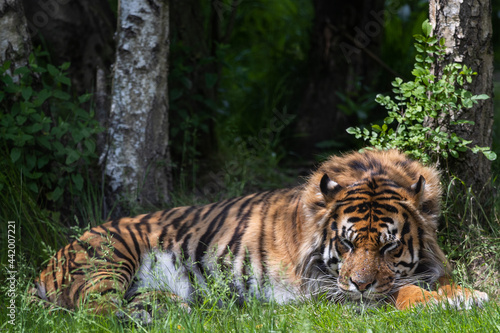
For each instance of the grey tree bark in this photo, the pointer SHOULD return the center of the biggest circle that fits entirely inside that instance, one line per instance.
(466, 26)
(137, 159)
(15, 42)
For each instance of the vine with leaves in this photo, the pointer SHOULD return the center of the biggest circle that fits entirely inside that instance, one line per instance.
(427, 96)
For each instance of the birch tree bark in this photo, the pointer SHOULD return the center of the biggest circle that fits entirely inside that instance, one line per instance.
(466, 26)
(15, 43)
(137, 160)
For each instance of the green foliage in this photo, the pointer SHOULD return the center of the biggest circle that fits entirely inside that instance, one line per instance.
(427, 96)
(38, 231)
(402, 20)
(191, 110)
(470, 236)
(264, 61)
(223, 103)
(309, 316)
(46, 133)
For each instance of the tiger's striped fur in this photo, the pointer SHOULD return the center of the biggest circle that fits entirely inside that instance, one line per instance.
(362, 227)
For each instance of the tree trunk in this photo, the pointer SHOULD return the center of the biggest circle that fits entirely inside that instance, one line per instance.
(466, 26)
(345, 38)
(15, 42)
(138, 163)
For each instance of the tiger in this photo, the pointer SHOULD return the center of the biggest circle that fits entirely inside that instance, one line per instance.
(360, 229)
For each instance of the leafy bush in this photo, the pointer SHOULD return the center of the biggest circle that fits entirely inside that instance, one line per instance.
(46, 133)
(426, 97)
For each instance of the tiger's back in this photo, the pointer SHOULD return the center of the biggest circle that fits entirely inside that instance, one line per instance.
(170, 249)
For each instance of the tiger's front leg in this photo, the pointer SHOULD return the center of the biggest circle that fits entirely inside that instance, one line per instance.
(460, 297)
(446, 293)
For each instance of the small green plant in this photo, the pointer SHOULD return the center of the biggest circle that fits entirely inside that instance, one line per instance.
(426, 97)
(44, 130)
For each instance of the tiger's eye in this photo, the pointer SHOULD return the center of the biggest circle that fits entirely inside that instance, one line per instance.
(347, 243)
(387, 248)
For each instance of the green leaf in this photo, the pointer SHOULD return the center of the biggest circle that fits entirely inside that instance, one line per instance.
(56, 194)
(84, 98)
(36, 175)
(52, 70)
(490, 155)
(44, 141)
(419, 47)
(65, 66)
(41, 97)
(36, 127)
(59, 148)
(426, 28)
(462, 121)
(352, 130)
(42, 161)
(26, 92)
(90, 145)
(61, 95)
(78, 181)
(77, 135)
(32, 58)
(72, 156)
(433, 40)
(389, 120)
(15, 153)
(6, 66)
(32, 186)
(64, 80)
(478, 97)
(7, 80)
(21, 70)
(419, 38)
(21, 120)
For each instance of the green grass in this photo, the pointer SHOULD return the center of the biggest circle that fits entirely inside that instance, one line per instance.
(312, 316)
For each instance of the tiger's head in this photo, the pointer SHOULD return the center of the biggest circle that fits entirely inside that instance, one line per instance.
(379, 217)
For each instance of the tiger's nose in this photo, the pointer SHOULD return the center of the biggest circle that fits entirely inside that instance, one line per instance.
(362, 285)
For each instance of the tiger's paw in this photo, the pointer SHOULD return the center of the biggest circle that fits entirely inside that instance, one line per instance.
(448, 295)
(411, 295)
(461, 298)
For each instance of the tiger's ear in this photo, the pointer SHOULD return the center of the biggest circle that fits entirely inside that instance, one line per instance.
(418, 190)
(329, 187)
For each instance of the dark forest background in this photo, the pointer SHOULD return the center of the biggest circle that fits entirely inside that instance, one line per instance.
(260, 91)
